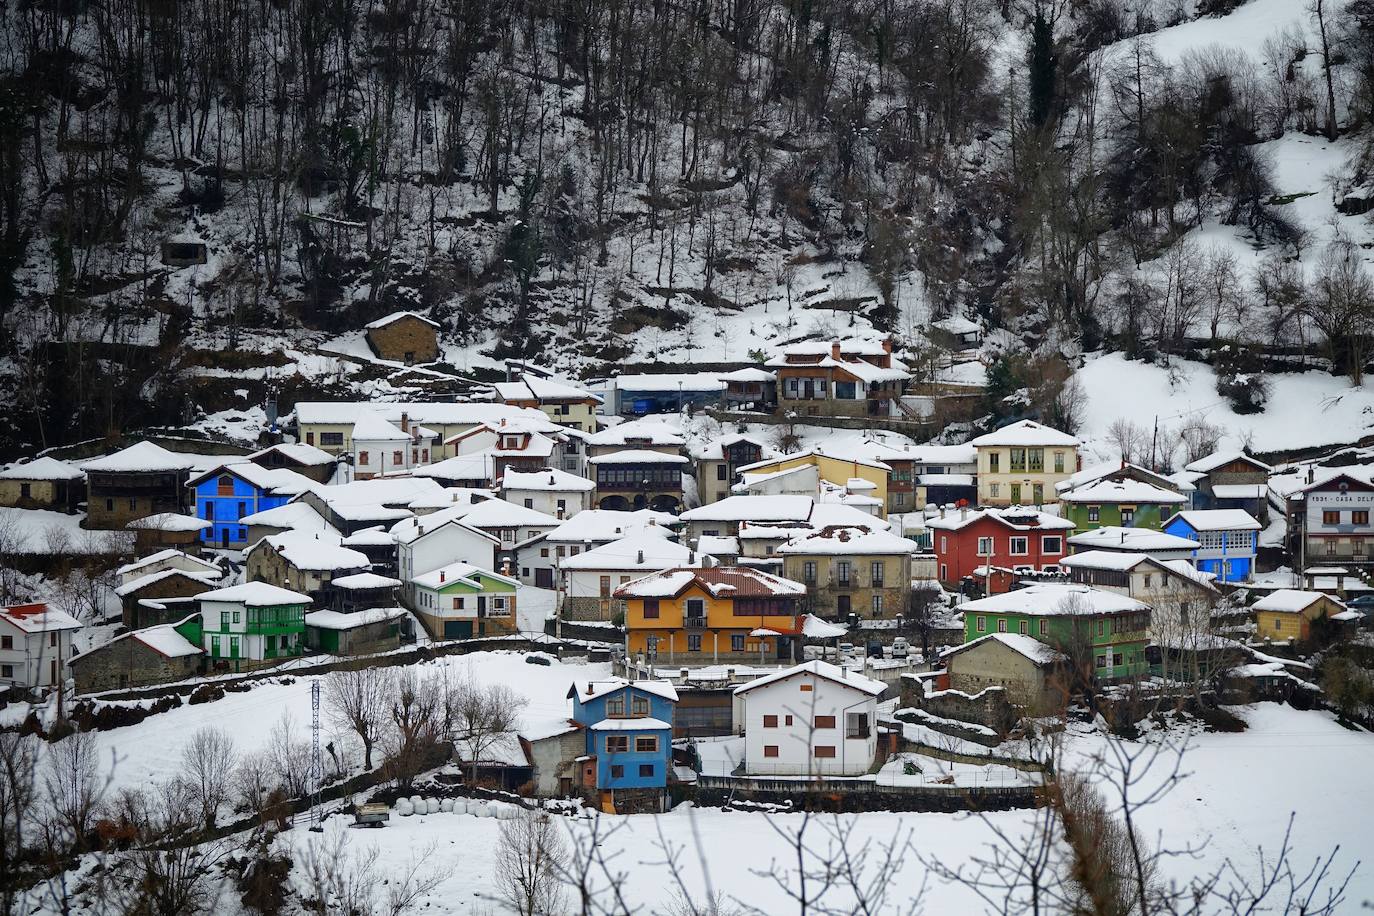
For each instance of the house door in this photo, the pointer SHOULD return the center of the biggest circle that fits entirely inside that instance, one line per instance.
(457, 629)
(842, 604)
(543, 577)
(224, 537)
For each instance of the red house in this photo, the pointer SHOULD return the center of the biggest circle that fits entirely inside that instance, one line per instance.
(1002, 539)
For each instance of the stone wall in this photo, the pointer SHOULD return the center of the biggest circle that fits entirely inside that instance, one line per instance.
(592, 607)
(128, 663)
(989, 707)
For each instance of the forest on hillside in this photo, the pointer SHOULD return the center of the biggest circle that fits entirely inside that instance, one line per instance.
(586, 182)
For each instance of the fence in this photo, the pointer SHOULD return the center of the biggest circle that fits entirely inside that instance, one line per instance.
(867, 794)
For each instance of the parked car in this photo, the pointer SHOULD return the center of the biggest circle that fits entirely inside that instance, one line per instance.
(901, 648)
(1363, 603)
(875, 649)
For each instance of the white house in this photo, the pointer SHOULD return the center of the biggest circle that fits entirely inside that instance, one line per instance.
(35, 643)
(550, 491)
(253, 622)
(429, 542)
(814, 719)
(165, 561)
(381, 447)
(1157, 544)
(590, 577)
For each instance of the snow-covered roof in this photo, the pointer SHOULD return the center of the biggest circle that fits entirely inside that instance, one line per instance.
(1143, 540)
(38, 618)
(586, 691)
(551, 479)
(1055, 599)
(814, 627)
(636, 456)
(821, 669)
(671, 382)
(369, 427)
(475, 466)
(364, 581)
(293, 516)
(848, 540)
(166, 641)
(1292, 601)
(768, 508)
(498, 513)
(946, 480)
(1107, 468)
(714, 450)
(718, 545)
(748, 374)
(1238, 490)
(409, 530)
(1017, 518)
(1122, 491)
(45, 468)
(254, 594)
(205, 578)
(1107, 559)
(640, 551)
(532, 388)
(1025, 432)
(956, 324)
(1208, 463)
(835, 452)
(397, 316)
(336, 620)
(368, 537)
(1218, 520)
(276, 481)
(1028, 646)
(647, 431)
(315, 552)
(298, 452)
(377, 491)
(169, 521)
(140, 457)
(848, 346)
(643, 723)
(440, 413)
(465, 573)
(162, 555)
(717, 581)
(599, 525)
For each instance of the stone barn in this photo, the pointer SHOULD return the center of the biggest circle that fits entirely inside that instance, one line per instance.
(404, 337)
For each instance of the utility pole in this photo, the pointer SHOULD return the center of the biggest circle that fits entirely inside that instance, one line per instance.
(316, 761)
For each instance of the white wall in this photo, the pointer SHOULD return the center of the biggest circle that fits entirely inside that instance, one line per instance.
(31, 655)
(546, 501)
(796, 742)
(442, 546)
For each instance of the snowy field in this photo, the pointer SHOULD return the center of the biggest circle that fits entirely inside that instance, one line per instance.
(43, 531)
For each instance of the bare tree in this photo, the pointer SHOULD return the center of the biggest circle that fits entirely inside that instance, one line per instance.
(416, 724)
(1130, 439)
(345, 882)
(531, 855)
(73, 789)
(357, 699)
(18, 795)
(166, 870)
(207, 768)
(1342, 306)
(481, 715)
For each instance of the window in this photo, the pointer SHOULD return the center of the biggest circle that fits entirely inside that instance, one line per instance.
(877, 605)
(1024, 627)
(985, 547)
(646, 744)
(529, 504)
(737, 643)
(133, 502)
(309, 438)
(236, 617)
(639, 707)
(899, 499)
(457, 604)
(809, 572)
(824, 751)
(605, 586)
(7, 671)
(842, 573)
(876, 571)
(856, 725)
(362, 457)
(770, 721)
(615, 706)
(994, 466)
(1020, 546)
(1149, 580)
(770, 750)
(694, 642)
(996, 489)
(1100, 661)
(825, 721)
(720, 471)
(1094, 513)
(1051, 543)
(646, 769)
(650, 608)
(617, 771)
(1018, 461)
(398, 458)
(224, 485)
(1359, 517)
(981, 623)
(224, 620)
(1044, 627)
(331, 439)
(1127, 516)
(806, 688)
(6, 642)
(1002, 625)
(617, 744)
(1059, 462)
(1331, 516)
(695, 610)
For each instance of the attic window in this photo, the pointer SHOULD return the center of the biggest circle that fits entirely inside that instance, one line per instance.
(225, 485)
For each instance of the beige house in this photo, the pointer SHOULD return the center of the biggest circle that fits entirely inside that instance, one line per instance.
(44, 483)
(1180, 596)
(566, 405)
(1020, 464)
(851, 569)
(1023, 666)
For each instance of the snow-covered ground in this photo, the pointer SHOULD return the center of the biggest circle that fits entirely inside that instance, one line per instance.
(44, 531)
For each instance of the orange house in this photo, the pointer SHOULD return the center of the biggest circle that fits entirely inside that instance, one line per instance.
(702, 616)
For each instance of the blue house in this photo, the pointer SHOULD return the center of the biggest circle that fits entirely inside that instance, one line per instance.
(226, 494)
(629, 732)
(1229, 540)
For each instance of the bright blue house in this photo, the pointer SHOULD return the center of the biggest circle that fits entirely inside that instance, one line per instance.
(629, 731)
(1229, 540)
(226, 494)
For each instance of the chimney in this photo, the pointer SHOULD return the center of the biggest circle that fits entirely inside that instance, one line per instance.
(835, 349)
(639, 558)
(887, 345)
(942, 510)
(963, 512)
(591, 688)
(442, 575)
(1310, 474)
(691, 557)
(405, 422)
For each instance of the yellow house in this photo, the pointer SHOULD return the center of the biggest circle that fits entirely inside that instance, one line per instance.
(1019, 464)
(702, 616)
(838, 471)
(1287, 614)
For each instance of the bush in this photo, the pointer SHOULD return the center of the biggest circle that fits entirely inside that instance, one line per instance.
(1240, 379)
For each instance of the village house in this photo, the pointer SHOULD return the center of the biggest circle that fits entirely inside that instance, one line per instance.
(632, 479)
(730, 516)
(363, 632)
(226, 494)
(813, 719)
(360, 504)
(635, 395)
(164, 583)
(1287, 615)
(296, 515)
(1021, 463)
(566, 405)
(973, 543)
(1157, 544)
(1336, 520)
(163, 560)
(1229, 480)
(304, 563)
(718, 463)
(306, 460)
(1120, 503)
(594, 527)
(750, 388)
(628, 754)
(522, 444)
(167, 530)
(250, 625)
(427, 543)
(550, 491)
(775, 475)
(647, 434)
(1229, 540)
(380, 447)
(932, 475)
(1180, 596)
(35, 645)
(476, 471)
(328, 425)
(404, 337)
(1109, 629)
(379, 546)
(150, 655)
(43, 483)
(840, 378)
(362, 592)
(460, 601)
(699, 616)
(1030, 671)
(851, 569)
(515, 527)
(589, 578)
(141, 480)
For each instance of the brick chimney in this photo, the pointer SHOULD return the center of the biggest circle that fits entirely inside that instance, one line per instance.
(442, 575)
(405, 422)
(887, 345)
(834, 349)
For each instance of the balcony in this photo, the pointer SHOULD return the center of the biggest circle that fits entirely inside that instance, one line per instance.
(694, 623)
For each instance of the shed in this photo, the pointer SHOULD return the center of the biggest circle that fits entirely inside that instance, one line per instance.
(44, 483)
(363, 632)
(153, 655)
(404, 337)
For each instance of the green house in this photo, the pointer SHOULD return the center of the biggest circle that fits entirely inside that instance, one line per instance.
(1120, 503)
(461, 601)
(1111, 627)
(252, 624)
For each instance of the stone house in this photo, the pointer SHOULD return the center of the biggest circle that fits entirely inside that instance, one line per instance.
(142, 480)
(304, 564)
(1287, 615)
(404, 337)
(165, 530)
(851, 569)
(554, 756)
(151, 655)
(1230, 480)
(44, 483)
(363, 632)
(306, 460)
(1026, 668)
(167, 583)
